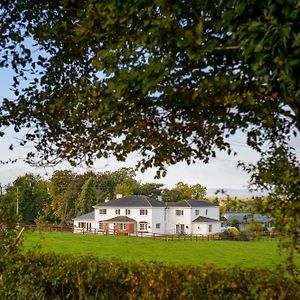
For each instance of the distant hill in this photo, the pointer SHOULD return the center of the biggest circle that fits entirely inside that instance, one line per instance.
(239, 193)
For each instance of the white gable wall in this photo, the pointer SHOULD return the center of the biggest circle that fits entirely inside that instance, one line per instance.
(158, 217)
(182, 221)
(212, 212)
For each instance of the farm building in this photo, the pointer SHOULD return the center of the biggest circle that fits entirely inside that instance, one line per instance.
(142, 214)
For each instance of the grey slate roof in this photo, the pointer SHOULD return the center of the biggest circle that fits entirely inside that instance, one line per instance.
(244, 217)
(120, 219)
(191, 203)
(86, 217)
(201, 219)
(132, 201)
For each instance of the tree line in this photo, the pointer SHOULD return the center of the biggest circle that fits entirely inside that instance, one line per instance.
(68, 194)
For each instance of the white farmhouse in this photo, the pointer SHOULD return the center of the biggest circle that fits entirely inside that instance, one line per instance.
(142, 214)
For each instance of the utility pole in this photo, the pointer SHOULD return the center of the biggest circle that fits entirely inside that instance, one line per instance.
(17, 207)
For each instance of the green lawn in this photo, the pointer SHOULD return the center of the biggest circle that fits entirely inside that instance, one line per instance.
(262, 254)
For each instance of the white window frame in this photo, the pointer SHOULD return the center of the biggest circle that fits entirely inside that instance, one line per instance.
(143, 212)
(81, 224)
(180, 229)
(143, 226)
(101, 225)
(157, 225)
(127, 211)
(122, 226)
(179, 212)
(197, 212)
(209, 227)
(102, 211)
(118, 211)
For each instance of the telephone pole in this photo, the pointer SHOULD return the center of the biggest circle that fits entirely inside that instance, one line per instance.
(17, 207)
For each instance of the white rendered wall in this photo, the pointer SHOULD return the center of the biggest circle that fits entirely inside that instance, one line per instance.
(158, 217)
(154, 215)
(212, 212)
(173, 219)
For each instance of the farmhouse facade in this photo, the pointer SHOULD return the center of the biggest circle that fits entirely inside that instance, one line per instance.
(142, 214)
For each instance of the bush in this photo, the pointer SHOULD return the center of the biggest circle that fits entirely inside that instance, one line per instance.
(50, 276)
(231, 233)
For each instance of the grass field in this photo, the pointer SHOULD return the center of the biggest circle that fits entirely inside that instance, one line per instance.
(262, 254)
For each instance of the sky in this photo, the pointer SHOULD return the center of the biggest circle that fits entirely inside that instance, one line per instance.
(220, 173)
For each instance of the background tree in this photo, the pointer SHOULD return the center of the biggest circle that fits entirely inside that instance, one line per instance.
(106, 182)
(278, 173)
(151, 189)
(65, 188)
(87, 198)
(254, 228)
(31, 193)
(235, 223)
(128, 186)
(183, 191)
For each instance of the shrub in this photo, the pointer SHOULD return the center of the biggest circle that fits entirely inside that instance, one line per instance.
(231, 233)
(51, 276)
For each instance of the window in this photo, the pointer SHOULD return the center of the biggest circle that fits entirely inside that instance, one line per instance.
(157, 225)
(81, 224)
(143, 212)
(143, 226)
(206, 211)
(196, 212)
(209, 228)
(179, 212)
(102, 211)
(180, 228)
(88, 226)
(101, 225)
(118, 212)
(122, 226)
(127, 211)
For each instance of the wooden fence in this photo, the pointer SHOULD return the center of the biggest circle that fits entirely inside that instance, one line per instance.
(166, 237)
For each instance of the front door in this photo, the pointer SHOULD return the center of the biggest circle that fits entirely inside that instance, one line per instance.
(180, 229)
(111, 228)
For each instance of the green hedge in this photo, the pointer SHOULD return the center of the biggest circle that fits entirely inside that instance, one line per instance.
(51, 276)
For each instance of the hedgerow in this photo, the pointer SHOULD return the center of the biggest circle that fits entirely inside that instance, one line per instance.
(52, 276)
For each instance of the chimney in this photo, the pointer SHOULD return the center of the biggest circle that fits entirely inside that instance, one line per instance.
(118, 196)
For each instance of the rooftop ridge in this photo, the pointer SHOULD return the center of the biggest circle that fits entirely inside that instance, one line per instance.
(188, 203)
(146, 198)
